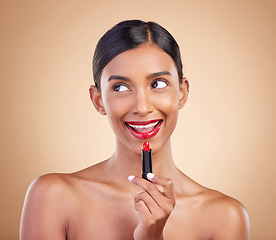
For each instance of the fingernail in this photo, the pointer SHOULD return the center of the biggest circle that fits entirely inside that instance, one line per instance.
(130, 178)
(150, 176)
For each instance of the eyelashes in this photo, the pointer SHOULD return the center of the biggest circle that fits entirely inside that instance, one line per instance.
(120, 88)
(156, 84)
(159, 83)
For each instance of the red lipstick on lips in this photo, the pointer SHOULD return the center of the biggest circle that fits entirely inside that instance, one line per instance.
(139, 128)
(146, 160)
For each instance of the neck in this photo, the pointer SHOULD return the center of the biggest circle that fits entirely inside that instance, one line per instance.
(125, 162)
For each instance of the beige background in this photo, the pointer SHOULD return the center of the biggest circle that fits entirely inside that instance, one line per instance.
(225, 138)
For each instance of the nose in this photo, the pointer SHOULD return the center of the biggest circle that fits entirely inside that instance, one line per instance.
(142, 103)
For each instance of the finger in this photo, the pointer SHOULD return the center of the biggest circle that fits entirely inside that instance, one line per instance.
(151, 204)
(145, 185)
(143, 210)
(166, 183)
(161, 200)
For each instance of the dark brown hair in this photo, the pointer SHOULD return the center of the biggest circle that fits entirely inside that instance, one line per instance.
(129, 34)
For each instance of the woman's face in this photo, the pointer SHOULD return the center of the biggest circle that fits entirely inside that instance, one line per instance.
(141, 95)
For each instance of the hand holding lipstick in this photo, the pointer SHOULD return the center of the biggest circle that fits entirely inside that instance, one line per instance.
(154, 207)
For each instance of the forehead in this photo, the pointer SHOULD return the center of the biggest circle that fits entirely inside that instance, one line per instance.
(143, 60)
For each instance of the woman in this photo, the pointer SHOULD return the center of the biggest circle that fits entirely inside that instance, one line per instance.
(139, 86)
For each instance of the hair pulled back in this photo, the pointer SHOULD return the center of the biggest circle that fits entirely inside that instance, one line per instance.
(130, 34)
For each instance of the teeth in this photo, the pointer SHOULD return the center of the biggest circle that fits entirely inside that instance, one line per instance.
(143, 126)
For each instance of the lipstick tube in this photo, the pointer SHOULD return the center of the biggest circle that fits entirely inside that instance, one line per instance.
(146, 160)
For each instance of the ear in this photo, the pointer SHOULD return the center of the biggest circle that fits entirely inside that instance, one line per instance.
(96, 99)
(184, 91)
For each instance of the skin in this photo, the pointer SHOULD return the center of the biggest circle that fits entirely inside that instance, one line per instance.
(102, 201)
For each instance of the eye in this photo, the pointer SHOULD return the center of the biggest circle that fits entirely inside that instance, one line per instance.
(120, 88)
(159, 84)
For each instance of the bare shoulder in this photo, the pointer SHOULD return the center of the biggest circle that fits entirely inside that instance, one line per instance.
(45, 208)
(61, 183)
(49, 185)
(228, 216)
(220, 217)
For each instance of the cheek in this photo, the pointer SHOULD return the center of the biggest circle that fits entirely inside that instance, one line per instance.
(168, 103)
(115, 107)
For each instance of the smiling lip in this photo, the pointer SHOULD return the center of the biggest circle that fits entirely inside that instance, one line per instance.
(144, 129)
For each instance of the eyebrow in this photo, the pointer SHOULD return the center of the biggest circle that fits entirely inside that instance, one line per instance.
(157, 74)
(152, 75)
(118, 77)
